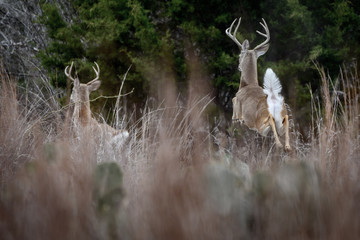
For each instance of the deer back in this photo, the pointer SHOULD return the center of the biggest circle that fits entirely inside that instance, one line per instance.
(254, 106)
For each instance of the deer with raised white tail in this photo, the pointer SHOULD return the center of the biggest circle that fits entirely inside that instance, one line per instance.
(251, 104)
(80, 112)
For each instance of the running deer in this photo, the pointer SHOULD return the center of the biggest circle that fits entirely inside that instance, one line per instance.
(80, 112)
(261, 109)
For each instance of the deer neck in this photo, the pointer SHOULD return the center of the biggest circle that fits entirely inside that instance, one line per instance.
(85, 114)
(249, 73)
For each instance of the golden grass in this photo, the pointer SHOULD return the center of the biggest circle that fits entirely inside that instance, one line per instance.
(175, 182)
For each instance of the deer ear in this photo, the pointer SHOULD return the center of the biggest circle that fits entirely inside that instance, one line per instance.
(94, 86)
(262, 50)
(76, 82)
(245, 45)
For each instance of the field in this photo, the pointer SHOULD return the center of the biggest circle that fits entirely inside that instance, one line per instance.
(177, 176)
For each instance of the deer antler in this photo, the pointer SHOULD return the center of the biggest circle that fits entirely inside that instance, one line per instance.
(233, 36)
(97, 72)
(266, 34)
(68, 73)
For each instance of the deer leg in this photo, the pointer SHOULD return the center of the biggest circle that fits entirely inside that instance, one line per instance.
(272, 124)
(234, 116)
(237, 110)
(286, 123)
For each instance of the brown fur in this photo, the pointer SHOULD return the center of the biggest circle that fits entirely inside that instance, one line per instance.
(248, 66)
(250, 103)
(80, 112)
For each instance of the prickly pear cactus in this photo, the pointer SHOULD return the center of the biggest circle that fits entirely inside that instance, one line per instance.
(108, 196)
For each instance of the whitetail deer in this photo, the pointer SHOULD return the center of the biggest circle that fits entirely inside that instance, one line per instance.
(260, 109)
(81, 114)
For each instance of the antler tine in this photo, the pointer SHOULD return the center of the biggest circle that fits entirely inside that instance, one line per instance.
(68, 73)
(233, 36)
(266, 34)
(97, 72)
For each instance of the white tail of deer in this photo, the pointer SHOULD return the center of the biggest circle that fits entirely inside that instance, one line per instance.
(81, 114)
(258, 108)
(276, 104)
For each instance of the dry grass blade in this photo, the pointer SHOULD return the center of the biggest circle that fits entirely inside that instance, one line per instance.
(170, 181)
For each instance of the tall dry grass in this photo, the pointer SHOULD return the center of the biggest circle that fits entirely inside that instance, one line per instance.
(178, 177)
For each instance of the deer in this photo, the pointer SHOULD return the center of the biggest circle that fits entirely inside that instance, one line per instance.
(260, 109)
(80, 112)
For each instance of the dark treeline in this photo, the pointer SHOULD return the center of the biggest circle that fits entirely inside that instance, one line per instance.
(155, 37)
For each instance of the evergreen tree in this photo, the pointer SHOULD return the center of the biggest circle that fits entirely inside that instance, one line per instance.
(153, 37)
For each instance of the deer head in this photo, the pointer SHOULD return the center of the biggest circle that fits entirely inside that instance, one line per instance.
(248, 58)
(81, 92)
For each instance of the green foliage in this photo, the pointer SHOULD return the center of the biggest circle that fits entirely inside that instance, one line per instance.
(154, 37)
(65, 44)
